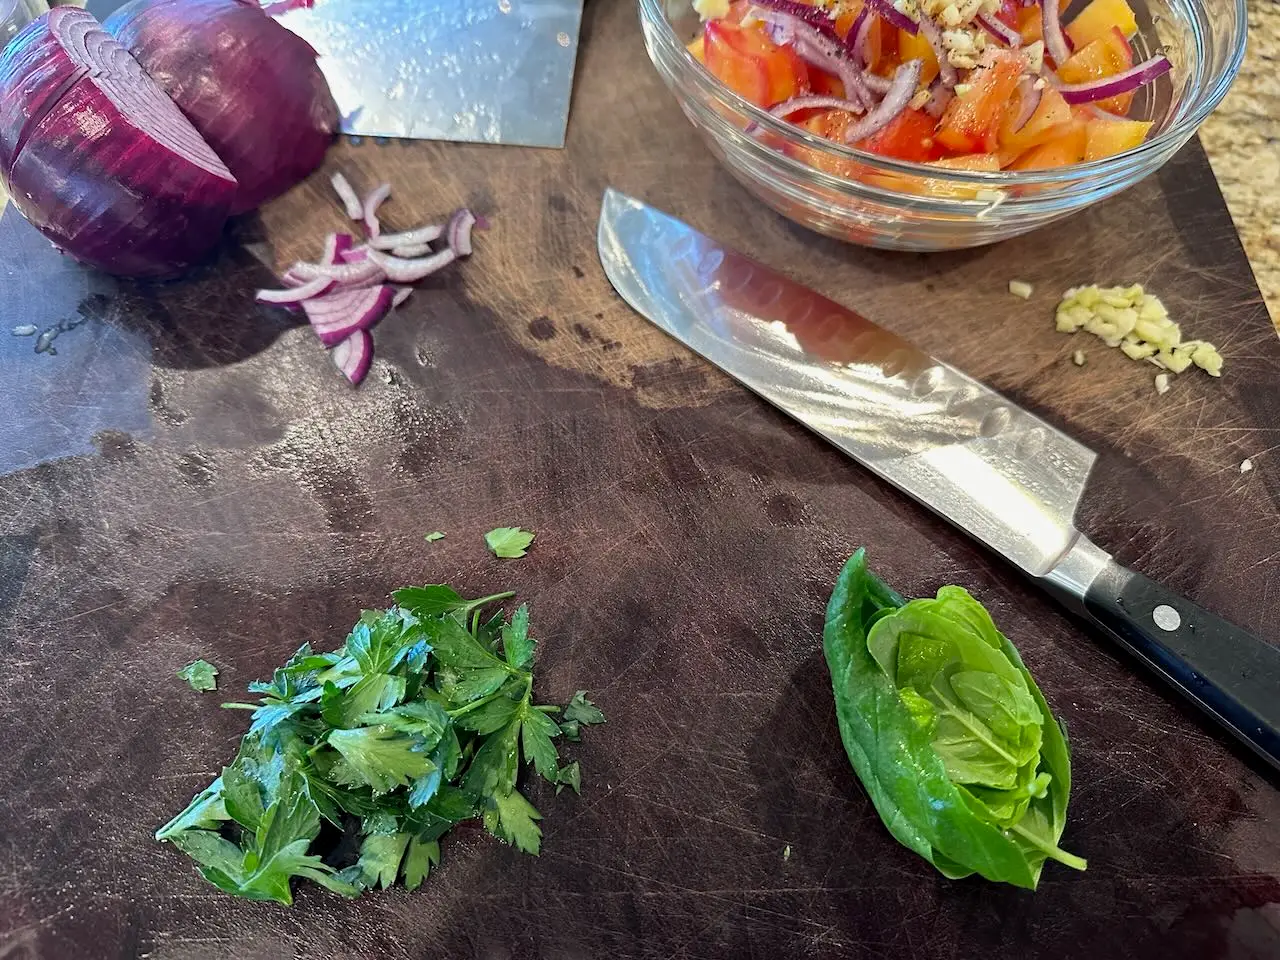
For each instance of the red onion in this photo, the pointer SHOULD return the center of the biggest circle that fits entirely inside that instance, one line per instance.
(1055, 41)
(284, 6)
(356, 254)
(818, 19)
(946, 72)
(888, 11)
(1028, 101)
(99, 159)
(295, 295)
(796, 104)
(940, 98)
(402, 294)
(354, 355)
(1008, 36)
(822, 52)
(408, 253)
(895, 101)
(342, 272)
(460, 225)
(411, 271)
(250, 86)
(336, 317)
(372, 202)
(410, 238)
(877, 83)
(347, 194)
(335, 245)
(861, 33)
(1118, 83)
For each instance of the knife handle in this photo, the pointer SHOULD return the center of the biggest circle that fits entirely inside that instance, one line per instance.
(1229, 673)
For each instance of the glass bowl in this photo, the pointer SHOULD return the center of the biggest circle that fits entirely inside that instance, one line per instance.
(898, 205)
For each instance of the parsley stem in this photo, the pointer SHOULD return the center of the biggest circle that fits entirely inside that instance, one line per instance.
(547, 709)
(470, 706)
(241, 706)
(483, 601)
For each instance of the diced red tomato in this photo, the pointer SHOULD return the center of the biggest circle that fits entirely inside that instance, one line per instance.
(1008, 13)
(908, 137)
(1066, 148)
(1051, 114)
(751, 65)
(830, 124)
(972, 122)
(1108, 55)
(883, 41)
(914, 46)
(1106, 138)
(826, 84)
(1096, 20)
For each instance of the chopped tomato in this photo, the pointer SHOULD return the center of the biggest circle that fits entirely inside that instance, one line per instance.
(1044, 124)
(1064, 149)
(831, 125)
(1108, 55)
(908, 137)
(846, 17)
(914, 46)
(972, 122)
(827, 84)
(1030, 24)
(751, 65)
(699, 49)
(1008, 13)
(934, 187)
(883, 41)
(1105, 137)
(1096, 20)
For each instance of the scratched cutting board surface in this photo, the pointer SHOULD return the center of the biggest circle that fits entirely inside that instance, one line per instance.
(190, 477)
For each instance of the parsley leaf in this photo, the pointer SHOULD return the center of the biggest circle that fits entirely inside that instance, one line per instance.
(508, 543)
(569, 776)
(512, 818)
(419, 861)
(536, 731)
(433, 537)
(201, 674)
(379, 756)
(583, 710)
(380, 857)
(517, 645)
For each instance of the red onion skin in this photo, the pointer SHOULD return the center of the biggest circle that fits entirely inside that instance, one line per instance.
(84, 173)
(249, 85)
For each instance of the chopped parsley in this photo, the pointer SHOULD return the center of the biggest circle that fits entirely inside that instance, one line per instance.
(201, 674)
(508, 543)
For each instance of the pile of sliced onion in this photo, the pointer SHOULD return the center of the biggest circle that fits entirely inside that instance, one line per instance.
(352, 288)
(98, 159)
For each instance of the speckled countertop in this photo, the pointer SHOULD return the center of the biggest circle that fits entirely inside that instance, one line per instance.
(1242, 139)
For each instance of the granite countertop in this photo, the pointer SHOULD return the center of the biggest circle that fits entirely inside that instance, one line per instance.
(1242, 139)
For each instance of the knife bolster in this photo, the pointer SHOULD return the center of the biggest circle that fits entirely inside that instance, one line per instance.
(1076, 570)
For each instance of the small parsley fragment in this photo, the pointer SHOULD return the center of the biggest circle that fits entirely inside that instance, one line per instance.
(422, 719)
(508, 543)
(201, 674)
(434, 536)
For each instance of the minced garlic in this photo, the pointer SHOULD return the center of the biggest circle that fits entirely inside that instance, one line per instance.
(1078, 358)
(1246, 465)
(1137, 323)
(1020, 288)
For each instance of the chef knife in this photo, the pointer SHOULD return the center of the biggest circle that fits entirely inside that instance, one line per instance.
(1000, 474)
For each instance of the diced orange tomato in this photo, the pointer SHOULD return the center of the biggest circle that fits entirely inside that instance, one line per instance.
(908, 137)
(1064, 149)
(1030, 24)
(1106, 138)
(972, 122)
(698, 49)
(1108, 55)
(846, 17)
(934, 187)
(1051, 114)
(1097, 19)
(883, 43)
(916, 47)
(830, 124)
(751, 65)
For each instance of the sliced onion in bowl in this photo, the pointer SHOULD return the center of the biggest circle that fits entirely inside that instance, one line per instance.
(1055, 40)
(893, 15)
(1125, 82)
(1006, 34)
(895, 101)
(796, 104)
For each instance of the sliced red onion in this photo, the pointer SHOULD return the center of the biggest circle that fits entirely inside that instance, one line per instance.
(342, 272)
(876, 83)
(860, 36)
(459, 231)
(354, 355)
(1055, 41)
(1116, 84)
(411, 271)
(933, 33)
(249, 85)
(356, 254)
(818, 19)
(823, 52)
(796, 104)
(335, 245)
(888, 11)
(940, 98)
(347, 194)
(417, 250)
(339, 315)
(895, 101)
(1008, 36)
(372, 202)
(402, 294)
(294, 295)
(98, 159)
(1028, 101)
(410, 238)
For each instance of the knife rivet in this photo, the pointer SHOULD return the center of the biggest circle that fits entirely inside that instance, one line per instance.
(894, 364)
(711, 262)
(994, 422)
(927, 382)
(1166, 618)
(1031, 443)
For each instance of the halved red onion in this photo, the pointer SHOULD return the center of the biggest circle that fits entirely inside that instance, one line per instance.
(353, 356)
(796, 104)
(409, 238)
(1028, 100)
(411, 271)
(1055, 40)
(895, 101)
(338, 315)
(888, 11)
(343, 272)
(402, 294)
(933, 33)
(335, 245)
(294, 295)
(250, 86)
(372, 202)
(1116, 84)
(347, 194)
(459, 232)
(1008, 36)
(819, 19)
(98, 159)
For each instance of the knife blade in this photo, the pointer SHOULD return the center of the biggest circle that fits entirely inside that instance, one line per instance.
(1002, 475)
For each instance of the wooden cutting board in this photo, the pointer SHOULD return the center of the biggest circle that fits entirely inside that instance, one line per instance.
(190, 477)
